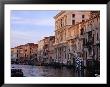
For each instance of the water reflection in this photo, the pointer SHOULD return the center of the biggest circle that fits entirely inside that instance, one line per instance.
(48, 71)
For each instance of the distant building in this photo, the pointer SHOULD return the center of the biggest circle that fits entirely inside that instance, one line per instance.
(29, 50)
(13, 54)
(24, 52)
(76, 41)
(51, 51)
(91, 39)
(46, 49)
(40, 50)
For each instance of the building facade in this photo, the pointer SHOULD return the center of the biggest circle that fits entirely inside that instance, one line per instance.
(77, 39)
(64, 33)
(13, 54)
(74, 29)
(25, 52)
(46, 49)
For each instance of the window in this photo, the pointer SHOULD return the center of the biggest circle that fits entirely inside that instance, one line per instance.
(61, 23)
(56, 25)
(65, 19)
(97, 53)
(86, 55)
(17, 55)
(90, 34)
(25, 55)
(45, 53)
(64, 49)
(84, 41)
(82, 31)
(97, 37)
(73, 15)
(83, 16)
(65, 55)
(83, 20)
(90, 51)
(73, 22)
(93, 37)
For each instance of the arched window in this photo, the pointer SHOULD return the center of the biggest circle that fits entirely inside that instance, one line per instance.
(73, 15)
(83, 16)
(73, 22)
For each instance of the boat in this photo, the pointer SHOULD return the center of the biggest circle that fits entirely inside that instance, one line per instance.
(16, 73)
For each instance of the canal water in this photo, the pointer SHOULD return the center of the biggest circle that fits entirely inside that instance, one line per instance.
(49, 71)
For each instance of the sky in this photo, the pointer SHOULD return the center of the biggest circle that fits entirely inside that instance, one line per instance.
(30, 26)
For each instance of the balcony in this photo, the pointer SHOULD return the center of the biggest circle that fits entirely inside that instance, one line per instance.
(71, 37)
(89, 42)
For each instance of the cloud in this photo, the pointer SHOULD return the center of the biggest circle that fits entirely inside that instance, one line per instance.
(21, 37)
(27, 35)
(18, 37)
(31, 26)
(31, 21)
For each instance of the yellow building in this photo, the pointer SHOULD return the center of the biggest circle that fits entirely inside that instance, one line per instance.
(24, 52)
